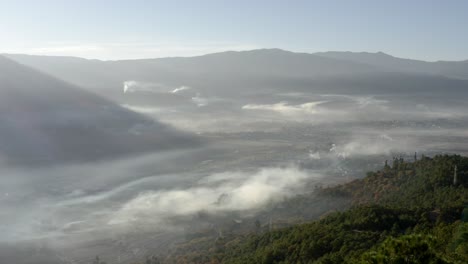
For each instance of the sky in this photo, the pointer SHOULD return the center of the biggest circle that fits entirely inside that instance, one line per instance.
(117, 29)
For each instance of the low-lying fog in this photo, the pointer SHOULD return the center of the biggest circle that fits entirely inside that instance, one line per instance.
(258, 149)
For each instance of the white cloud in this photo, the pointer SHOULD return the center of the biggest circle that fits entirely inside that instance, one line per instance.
(199, 100)
(144, 109)
(314, 155)
(364, 145)
(361, 101)
(128, 86)
(286, 109)
(228, 191)
(180, 89)
(131, 86)
(366, 101)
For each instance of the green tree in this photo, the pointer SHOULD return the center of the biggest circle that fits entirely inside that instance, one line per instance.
(408, 249)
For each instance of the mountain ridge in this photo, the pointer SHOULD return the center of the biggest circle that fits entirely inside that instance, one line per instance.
(235, 73)
(232, 52)
(46, 121)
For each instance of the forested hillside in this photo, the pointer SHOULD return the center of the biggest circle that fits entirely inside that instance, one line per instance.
(408, 212)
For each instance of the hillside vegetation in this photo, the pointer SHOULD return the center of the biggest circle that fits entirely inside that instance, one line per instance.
(408, 212)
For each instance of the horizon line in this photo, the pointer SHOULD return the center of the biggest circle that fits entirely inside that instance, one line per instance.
(317, 53)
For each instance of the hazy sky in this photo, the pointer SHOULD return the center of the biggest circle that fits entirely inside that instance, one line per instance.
(117, 29)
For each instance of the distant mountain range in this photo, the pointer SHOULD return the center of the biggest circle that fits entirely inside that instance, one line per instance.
(47, 121)
(234, 73)
(452, 69)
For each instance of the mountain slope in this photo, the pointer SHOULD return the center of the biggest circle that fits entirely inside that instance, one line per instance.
(452, 69)
(407, 210)
(257, 66)
(45, 120)
(232, 74)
